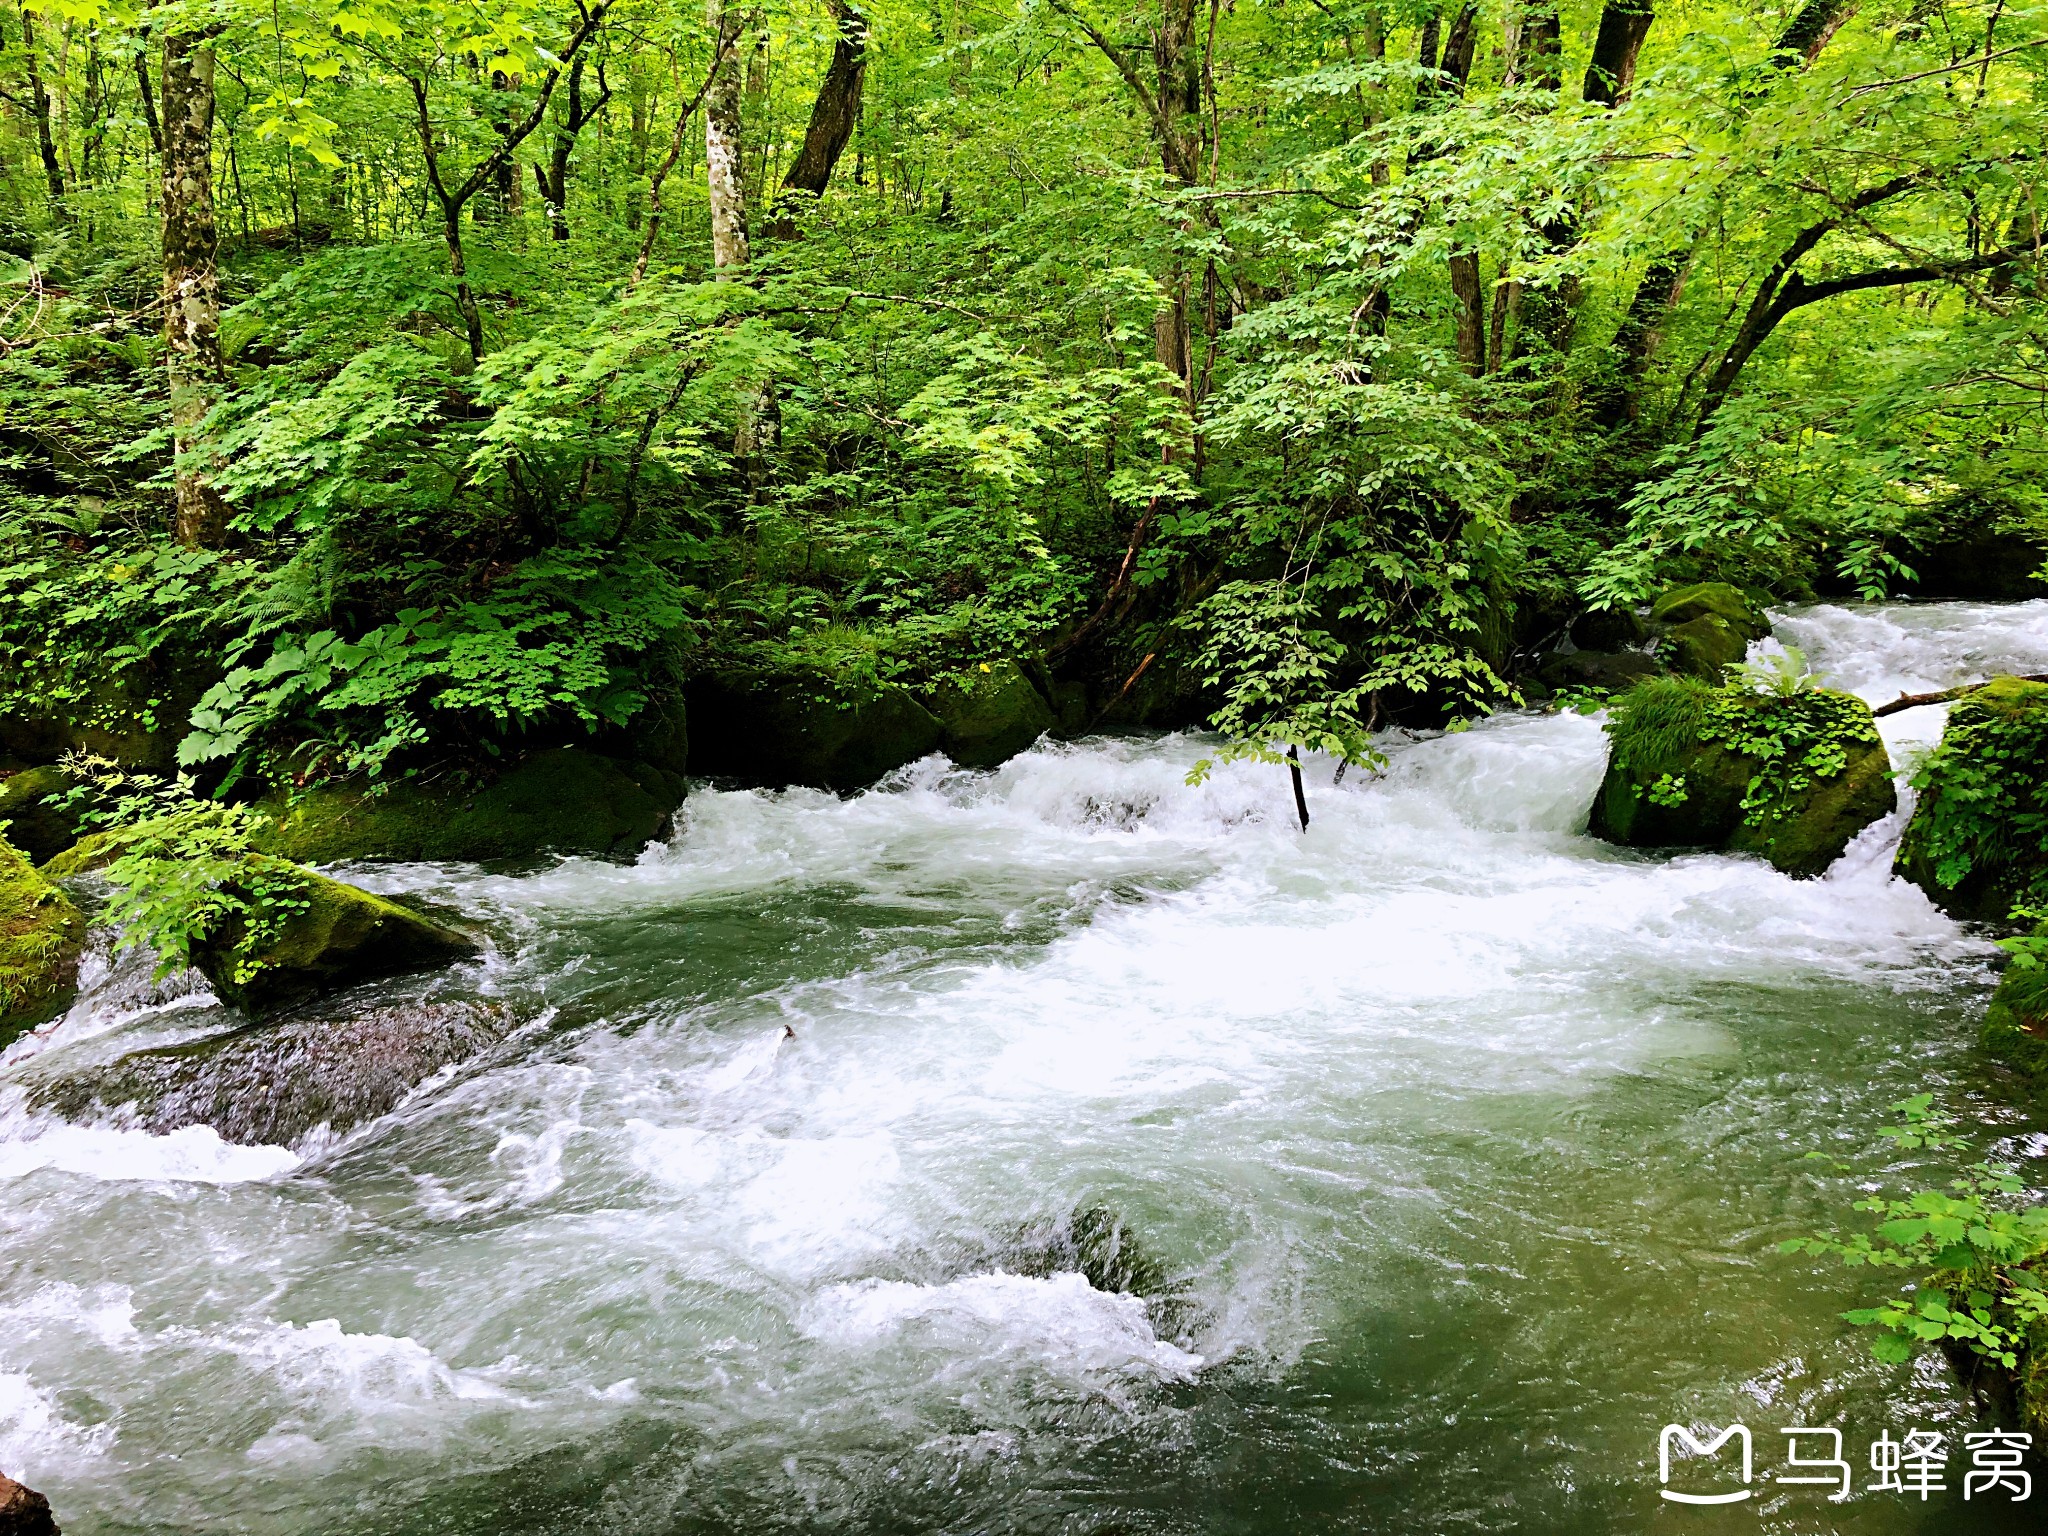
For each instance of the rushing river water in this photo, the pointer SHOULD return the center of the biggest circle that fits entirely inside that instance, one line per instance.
(1466, 1138)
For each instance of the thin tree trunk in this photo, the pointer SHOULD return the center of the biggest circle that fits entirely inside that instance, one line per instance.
(39, 109)
(834, 114)
(191, 281)
(1300, 795)
(724, 146)
(148, 95)
(637, 116)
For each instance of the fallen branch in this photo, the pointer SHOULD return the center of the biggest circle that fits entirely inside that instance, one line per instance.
(1944, 696)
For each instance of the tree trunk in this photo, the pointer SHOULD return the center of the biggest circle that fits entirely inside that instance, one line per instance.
(191, 280)
(834, 114)
(1469, 309)
(1539, 59)
(39, 109)
(639, 114)
(1612, 70)
(724, 166)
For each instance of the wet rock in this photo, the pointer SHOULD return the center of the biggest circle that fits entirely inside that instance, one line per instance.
(23, 1511)
(338, 936)
(991, 717)
(1095, 1242)
(806, 727)
(1977, 843)
(560, 801)
(1609, 671)
(272, 1084)
(1987, 563)
(1610, 629)
(38, 829)
(41, 936)
(1677, 777)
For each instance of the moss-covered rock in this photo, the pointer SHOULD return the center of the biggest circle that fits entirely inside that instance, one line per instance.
(805, 727)
(1711, 599)
(561, 801)
(1791, 777)
(135, 716)
(1703, 647)
(991, 717)
(41, 934)
(271, 1084)
(39, 829)
(1978, 840)
(2016, 1024)
(335, 936)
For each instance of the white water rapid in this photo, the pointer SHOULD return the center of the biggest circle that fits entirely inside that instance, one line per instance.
(1465, 1141)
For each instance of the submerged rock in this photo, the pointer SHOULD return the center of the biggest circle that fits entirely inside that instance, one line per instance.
(1978, 840)
(336, 936)
(1793, 777)
(560, 801)
(39, 829)
(1095, 1242)
(806, 728)
(272, 1084)
(41, 935)
(23, 1511)
(991, 717)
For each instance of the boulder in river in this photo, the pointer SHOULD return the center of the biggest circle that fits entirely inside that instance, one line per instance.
(2016, 1024)
(330, 936)
(1706, 628)
(23, 1511)
(1978, 840)
(1792, 776)
(806, 726)
(37, 826)
(271, 1084)
(991, 716)
(561, 801)
(41, 935)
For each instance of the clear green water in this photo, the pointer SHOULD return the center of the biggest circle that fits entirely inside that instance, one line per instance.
(1470, 1139)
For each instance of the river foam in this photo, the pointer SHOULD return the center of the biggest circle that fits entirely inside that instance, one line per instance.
(1439, 1116)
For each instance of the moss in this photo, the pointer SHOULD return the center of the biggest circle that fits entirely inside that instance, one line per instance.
(339, 936)
(563, 801)
(39, 830)
(1704, 647)
(41, 934)
(1978, 840)
(806, 727)
(95, 851)
(1711, 599)
(2016, 1024)
(993, 716)
(1793, 778)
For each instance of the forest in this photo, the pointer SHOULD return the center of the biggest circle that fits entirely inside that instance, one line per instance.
(649, 599)
(414, 383)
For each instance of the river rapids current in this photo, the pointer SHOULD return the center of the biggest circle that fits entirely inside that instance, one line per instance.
(1465, 1140)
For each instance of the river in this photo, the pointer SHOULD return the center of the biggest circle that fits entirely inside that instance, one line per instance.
(1465, 1139)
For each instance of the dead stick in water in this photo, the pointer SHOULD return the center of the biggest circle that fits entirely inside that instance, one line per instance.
(1294, 772)
(1915, 700)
